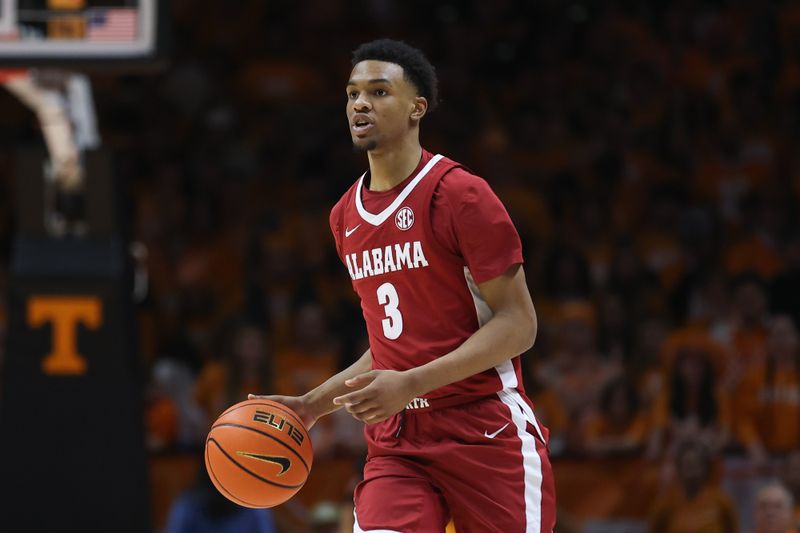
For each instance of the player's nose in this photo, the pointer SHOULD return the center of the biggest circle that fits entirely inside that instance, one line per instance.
(361, 104)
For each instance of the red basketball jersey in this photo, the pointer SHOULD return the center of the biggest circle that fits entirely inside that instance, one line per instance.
(419, 298)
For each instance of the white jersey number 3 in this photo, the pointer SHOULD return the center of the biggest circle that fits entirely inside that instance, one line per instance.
(393, 323)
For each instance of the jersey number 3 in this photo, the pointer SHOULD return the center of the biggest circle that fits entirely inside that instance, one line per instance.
(393, 323)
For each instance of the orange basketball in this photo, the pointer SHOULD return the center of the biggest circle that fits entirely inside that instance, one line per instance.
(258, 453)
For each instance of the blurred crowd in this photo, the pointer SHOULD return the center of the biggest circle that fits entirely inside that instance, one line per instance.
(646, 151)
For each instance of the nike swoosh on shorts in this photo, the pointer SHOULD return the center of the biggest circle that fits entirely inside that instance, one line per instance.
(493, 435)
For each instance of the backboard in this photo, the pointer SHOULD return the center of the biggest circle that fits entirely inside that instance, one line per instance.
(71, 33)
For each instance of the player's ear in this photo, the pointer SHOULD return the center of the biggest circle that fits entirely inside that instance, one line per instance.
(419, 109)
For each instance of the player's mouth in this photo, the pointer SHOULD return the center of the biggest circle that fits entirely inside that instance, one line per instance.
(361, 124)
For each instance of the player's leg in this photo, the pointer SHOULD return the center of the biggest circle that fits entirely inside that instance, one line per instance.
(396, 496)
(497, 478)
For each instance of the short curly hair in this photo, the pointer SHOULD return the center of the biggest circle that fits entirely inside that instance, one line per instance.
(416, 67)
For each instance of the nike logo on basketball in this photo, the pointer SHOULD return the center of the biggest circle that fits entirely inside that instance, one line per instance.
(348, 232)
(493, 435)
(283, 462)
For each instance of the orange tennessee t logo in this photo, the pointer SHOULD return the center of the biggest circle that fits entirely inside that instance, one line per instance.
(65, 312)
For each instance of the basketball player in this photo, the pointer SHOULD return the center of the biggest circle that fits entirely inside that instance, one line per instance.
(437, 263)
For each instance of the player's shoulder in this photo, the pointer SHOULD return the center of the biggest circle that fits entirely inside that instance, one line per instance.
(459, 180)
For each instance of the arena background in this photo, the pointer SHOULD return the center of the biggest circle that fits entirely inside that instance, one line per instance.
(647, 152)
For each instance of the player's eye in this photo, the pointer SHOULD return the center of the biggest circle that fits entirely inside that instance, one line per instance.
(353, 95)
(380, 92)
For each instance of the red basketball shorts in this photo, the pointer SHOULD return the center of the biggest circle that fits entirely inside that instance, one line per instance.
(484, 464)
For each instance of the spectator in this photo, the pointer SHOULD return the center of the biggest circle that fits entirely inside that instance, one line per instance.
(576, 372)
(616, 326)
(620, 426)
(567, 276)
(657, 242)
(244, 366)
(791, 477)
(692, 405)
(769, 396)
(786, 286)
(645, 362)
(755, 251)
(773, 510)
(202, 509)
(325, 517)
(172, 417)
(312, 355)
(161, 419)
(745, 333)
(696, 503)
(630, 278)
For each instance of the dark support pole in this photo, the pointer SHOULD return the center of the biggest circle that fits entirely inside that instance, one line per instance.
(72, 454)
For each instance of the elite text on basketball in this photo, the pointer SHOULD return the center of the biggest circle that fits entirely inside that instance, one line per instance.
(280, 423)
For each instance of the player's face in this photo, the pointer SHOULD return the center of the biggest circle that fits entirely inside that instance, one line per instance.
(382, 106)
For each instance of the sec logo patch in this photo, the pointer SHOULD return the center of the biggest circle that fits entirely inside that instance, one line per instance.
(404, 218)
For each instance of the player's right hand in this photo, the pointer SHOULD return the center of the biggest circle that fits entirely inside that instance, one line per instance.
(297, 404)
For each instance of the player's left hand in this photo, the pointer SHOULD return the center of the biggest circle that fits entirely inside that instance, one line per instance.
(381, 394)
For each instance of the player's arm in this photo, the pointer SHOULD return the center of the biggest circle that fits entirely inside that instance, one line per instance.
(510, 332)
(318, 402)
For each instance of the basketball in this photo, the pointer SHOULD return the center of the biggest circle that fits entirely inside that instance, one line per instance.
(258, 453)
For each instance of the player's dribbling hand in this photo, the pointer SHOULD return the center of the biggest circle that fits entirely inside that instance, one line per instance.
(295, 403)
(381, 394)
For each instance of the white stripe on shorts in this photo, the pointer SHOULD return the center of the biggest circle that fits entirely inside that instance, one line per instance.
(514, 393)
(531, 462)
(357, 528)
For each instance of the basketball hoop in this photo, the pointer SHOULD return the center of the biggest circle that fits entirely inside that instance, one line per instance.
(63, 104)
(47, 43)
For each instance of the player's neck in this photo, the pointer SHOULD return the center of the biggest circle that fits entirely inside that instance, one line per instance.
(389, 167)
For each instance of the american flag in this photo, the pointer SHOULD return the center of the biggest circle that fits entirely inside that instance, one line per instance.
(113, 24)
